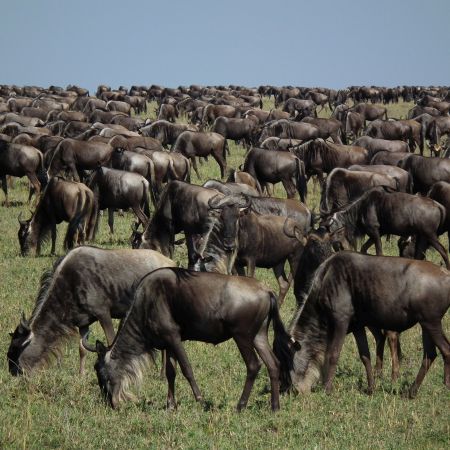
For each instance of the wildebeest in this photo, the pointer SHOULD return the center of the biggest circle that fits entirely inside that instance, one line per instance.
(327, 127)
(389, 158)
(118, 189)
(20, 160)
(275, 143)
(86, 285)
(322, 157)
(343, 186)
(231, 188)
(61, 201)
(174, 305)
(426, 171)
(370, 112)
(375, 145)
(271, 166)
(402, 177)
(289, 129)
(72, 155)
(200, 144)
(379, 212)
(351, 291)
(237, 129)
(166, 132)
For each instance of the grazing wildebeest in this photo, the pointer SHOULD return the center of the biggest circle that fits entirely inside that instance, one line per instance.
(426, 171)
(194, 144)
(118, 189)
(322, 157)
(237, 129)
(239, 176)
(230, 188)
(375, 145)
(271, 166)
(404, 179)
(20, 160)
(167, 112)
(343, 186)
(72, 155)
(174, 305)
(351, 291)
(379, 212)
(300, 107)
(61, 201)
(86, 285)
(354, 124)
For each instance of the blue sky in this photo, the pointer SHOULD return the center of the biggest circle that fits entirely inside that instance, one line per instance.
(305, 43)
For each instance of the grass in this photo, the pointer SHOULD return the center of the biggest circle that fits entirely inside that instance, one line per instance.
(57, 408)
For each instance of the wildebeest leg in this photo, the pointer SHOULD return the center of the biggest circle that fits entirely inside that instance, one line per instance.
(53, 234)
(333, 351)
(222, 164)
(283, 282)
(171, 372)
(429, 355)
(336, 139)
(394, 343)
(374, 234)
(5, 189)
(364, 354)
(253, 365)
(83, 352)
(180, 354)
(366, 246)
(191, 251)
(140, 215)
(111, 220)
(37, 186)
(421, 247)
(194, 165)
(289, 187)
(441, 250)
(108, 328)
(380, 340)
(262, 346)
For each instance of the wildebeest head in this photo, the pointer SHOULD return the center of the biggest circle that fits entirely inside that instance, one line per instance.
(20, 339)
(231, 208)
(337, 232)
(104, 378)
(24, 234)
(136, 237)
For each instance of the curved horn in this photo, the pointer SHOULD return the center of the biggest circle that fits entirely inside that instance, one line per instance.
(214, 202)
(293, 231)
(24, 322)
(85, 344)
(246, 199)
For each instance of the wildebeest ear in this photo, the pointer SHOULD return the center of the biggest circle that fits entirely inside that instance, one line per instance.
(100, 348)
(24, 322)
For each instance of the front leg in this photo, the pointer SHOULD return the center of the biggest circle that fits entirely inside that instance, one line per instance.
(53, 234)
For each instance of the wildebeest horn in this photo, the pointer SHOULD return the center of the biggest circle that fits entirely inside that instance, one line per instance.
(19, 218)
(214, 202)
(24, 322)
(218, 202)
(86, 345)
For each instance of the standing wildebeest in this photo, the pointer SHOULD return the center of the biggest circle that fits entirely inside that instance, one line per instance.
(271, 166)
(351, 291)
(118, 189)
(72, 155)
(167, 112)
(132, 142)
(327, 127)
(375, 145)
(245, 239)
(370, 112)
(237, 129)
(288, 129)
(299, 107)
(403, 178)
(87, 285)
(343, 186)
(389, 158)
(20, 160)
(166, 132)
(322, 157)
(212, 112)
(379, 212)
(426, 171)
(61, 201)
(275, 143)
(354, 124)
(405, 130)
(201, 144)
(440, 192)
(174, 305)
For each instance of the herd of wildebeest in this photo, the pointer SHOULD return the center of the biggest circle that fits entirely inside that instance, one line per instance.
(84, 154)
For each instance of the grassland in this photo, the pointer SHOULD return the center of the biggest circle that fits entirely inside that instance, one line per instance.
(57, 408)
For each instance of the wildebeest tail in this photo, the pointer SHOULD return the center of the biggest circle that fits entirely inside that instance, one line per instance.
(225, 149)
(302, 186)
(75, 223)
(151, 178)
(282, 345)
(42, 173)
(145, 200)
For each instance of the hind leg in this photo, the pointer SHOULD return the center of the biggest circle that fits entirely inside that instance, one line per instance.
(171, 372)
(5, 189)
(283, 282)
(364, 354)
(394, 344)
(380, 340)
(111, 220)
(37, 187)
(263, 349)
(194, 165)
(253, 365)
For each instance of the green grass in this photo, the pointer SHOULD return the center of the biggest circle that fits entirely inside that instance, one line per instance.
(57, 408)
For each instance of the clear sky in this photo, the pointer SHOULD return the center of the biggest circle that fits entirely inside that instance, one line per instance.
(250, 42)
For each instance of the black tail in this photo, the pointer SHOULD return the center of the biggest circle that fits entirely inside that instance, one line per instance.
(282, 345)
(302, 186)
